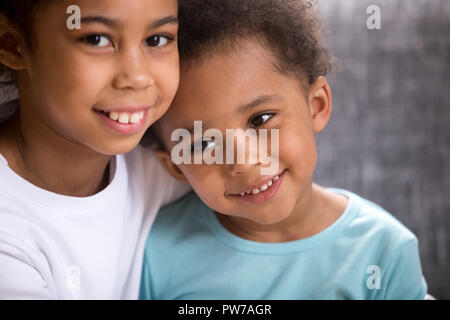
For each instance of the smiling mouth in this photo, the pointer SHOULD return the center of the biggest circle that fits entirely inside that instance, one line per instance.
(262, 188)
(124, 117)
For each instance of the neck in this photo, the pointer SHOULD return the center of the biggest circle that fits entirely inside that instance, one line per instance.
(51, 162)
(314, 211)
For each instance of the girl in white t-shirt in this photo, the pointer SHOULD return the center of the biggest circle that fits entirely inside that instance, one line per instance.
(75, 202)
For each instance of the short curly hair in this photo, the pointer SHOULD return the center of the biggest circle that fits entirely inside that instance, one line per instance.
(290, 29)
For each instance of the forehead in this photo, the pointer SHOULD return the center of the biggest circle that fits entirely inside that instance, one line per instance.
(131, 12)
(213, 88)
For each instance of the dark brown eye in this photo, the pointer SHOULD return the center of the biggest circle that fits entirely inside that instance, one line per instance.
(204, 144)
(157, 41)
(97, 40)
(260, 119)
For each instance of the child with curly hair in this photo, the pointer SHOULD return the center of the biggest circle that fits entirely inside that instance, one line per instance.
(254, 65)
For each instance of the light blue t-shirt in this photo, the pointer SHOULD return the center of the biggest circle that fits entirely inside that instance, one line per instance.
(365, 254)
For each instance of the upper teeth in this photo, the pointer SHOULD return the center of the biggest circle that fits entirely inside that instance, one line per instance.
(263, 188)
(125, 117)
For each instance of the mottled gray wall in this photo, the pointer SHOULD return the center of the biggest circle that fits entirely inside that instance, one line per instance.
(389, 136)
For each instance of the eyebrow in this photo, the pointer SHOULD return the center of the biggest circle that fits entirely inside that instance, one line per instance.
(252, 105)
(164, 21)
(257, 102)
(99, 19)
(114, 23)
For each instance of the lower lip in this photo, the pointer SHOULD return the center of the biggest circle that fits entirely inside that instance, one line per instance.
(121, 128)
(264, 196)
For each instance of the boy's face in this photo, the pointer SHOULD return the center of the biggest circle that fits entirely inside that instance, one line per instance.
(213, 92)
(124, 59)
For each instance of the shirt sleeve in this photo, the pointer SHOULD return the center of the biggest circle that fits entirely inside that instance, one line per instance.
(403, 278)
(18, 279)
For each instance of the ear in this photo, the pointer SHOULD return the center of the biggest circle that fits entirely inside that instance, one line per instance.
(320, 103)
(172, 168)
(10, 45)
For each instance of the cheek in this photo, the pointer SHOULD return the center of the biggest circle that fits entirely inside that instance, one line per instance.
(65, 89)
(70, 81)
(206, 181)
(167, 74)
(298, 151)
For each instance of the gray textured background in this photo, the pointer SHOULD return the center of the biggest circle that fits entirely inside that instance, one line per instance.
(389, 137)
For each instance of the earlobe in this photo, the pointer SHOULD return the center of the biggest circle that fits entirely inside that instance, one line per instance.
(10, 45)
(165, 160)
(320, 103)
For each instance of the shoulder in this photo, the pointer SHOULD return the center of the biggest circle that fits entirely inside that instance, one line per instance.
(147, 175)
(374, 221)
(19, 250)
(14, 221)
(186, 203)
(179, 213)
(180, 219)
(376, 239)
(23, 266)
(139, 157)
(17, 229)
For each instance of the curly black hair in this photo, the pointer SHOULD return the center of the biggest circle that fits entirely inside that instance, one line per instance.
(290, 29)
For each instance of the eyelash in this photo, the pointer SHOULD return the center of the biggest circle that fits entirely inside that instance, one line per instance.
(94, 37)
(86, 39)
(271, 114)
(203, 141)
(159, 36)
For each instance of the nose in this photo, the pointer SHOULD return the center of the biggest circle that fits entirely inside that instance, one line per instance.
(240, 169)
(245, 157)
(134, 71)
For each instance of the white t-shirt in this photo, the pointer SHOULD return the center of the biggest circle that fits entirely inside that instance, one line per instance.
(59, 247)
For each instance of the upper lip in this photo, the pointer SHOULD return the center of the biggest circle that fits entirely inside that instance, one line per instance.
(129, 109)
(259, 184)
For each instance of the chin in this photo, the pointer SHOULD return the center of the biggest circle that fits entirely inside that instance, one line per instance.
(112, 149)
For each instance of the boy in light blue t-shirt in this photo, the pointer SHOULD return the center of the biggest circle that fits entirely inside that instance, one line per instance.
(248, 235)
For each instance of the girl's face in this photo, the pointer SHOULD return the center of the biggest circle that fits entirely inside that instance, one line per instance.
(242, 90)
(103, 85)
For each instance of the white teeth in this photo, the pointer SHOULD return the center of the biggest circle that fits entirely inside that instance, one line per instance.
(114, 116)
(134, 118)
(124, 118)
(263, 188)
(127, 118)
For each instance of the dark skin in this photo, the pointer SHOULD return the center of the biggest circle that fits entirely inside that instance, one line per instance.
(43, 165)
(214, 91)
(57, 140)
